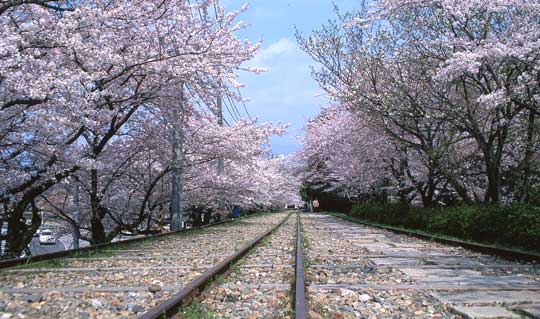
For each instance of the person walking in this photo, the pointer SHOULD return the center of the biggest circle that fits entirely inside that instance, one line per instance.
(235, 212)
(316, 205)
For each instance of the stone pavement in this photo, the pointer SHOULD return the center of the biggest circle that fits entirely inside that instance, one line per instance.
(393, 272)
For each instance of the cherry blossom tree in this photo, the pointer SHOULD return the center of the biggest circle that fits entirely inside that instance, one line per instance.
(77, 77)
(133, 187)
(449, 82)
(487, 53)
(345, 151)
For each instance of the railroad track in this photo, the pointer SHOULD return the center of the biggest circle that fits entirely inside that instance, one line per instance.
(275, 266)
(358, 271)
(261, 285)
(157, 278)
(6, 263)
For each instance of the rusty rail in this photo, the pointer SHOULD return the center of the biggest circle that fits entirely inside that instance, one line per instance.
(300, 304)
(171, 306)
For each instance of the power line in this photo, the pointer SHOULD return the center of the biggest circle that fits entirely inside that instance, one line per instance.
(234, 108)
(231, 113)
(244, 104)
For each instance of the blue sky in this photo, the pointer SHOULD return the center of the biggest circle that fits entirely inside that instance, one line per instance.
(286, 93)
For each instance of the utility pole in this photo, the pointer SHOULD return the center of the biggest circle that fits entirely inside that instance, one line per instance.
(221, 164)
(177, 219)
(74, 190)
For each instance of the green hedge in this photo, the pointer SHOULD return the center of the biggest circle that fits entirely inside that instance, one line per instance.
(514, 226)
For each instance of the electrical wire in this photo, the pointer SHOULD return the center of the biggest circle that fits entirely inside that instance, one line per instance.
(244, 104)
(233, 107)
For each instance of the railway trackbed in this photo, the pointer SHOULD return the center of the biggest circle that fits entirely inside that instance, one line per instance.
(261, 285)
(358, 271)
(147, 279)
(275, 266)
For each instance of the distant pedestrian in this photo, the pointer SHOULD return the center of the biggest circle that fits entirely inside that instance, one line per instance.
(315, 205)
(235, 212)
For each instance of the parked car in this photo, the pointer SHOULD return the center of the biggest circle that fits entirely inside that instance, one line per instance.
(38, 231)
(46, 237)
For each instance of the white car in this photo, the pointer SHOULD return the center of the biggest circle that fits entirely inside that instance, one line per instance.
(46, 237)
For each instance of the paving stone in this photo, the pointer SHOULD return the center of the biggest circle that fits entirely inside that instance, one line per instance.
(361, 241)
(407, 251)
(480, 280)
(457, 261)
(395, 261)
(416, 272)
(375, 246)
(485, 312)
(471, 297)
(135, 308)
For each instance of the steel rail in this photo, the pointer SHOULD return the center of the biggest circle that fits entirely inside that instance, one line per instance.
(7, 263)
(300, 304)
(171, 306)
(481, 248)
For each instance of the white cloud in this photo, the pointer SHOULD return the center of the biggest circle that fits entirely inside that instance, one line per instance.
(280, 47)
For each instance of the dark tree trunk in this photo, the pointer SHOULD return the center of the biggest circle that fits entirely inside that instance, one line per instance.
(526, 184)
(454, 182)
(494, 182)
(19, 234)
(98, 231)
(493, 151)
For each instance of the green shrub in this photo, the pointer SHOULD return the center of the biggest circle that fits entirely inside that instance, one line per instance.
(515, 225)
(455, 221)
(393, 214)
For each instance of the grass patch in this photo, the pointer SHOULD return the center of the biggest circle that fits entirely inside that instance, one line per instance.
(195, 311)
(318, 308)
(219, 280)
(265, 242)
